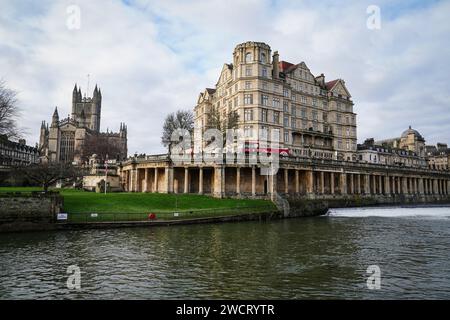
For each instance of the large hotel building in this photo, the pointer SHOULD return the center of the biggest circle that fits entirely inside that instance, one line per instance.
(314, 117)
(315, 123)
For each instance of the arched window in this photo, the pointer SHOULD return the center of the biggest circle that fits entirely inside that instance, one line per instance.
(263, 57)
(248, 57)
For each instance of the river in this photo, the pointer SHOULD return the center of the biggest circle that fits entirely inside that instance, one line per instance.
(308, 258)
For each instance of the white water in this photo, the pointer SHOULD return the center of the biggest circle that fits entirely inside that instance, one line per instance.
(397, 212)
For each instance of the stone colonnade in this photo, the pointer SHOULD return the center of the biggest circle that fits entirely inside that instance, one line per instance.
(250, 181)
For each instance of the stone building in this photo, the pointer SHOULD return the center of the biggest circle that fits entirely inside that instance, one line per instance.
(63, 141)
(438, 157)
(16, 153)
(312, 116)
(410, 140)
(317, 125)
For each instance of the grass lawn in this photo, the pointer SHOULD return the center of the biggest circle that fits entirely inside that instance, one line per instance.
(137, 206)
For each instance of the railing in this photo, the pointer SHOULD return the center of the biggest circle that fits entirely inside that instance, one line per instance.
(305, 161)
(166, 215)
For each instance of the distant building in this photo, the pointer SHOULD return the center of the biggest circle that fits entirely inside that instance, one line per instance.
(438, 157)
(371, 152)
(63, 141)
(16, 153)
(410, 140)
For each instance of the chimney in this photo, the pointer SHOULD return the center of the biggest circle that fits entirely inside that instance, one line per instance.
(275, 65)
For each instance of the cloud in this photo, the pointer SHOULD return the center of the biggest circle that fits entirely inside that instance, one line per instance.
(153, 57)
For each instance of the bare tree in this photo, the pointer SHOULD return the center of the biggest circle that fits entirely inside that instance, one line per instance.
(102, 146)
(182, 119)
(47, 174)
(9, 112)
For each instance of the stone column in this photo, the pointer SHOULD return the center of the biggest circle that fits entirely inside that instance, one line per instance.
(352, 183)
(286, 181)
(399, 186)
(134, 179)
(358, 183)
(168, 179)
(367, 184)
(272, 185)
(343, 183)
(145, 180)
(448, 187)
(297, 182)
(218, 182)
(380, 184)
(435, 186)
(421, 187)
(309, 182)
(405, 185)
(332, 182)
(156, 180)
(322, 182)
(200, 180)
(253, 181)
(374, 184)
(238, 180)
(186, 180)
(387, 187)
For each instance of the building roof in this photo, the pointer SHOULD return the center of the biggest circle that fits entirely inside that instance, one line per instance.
(211, 91)
(330, 84)
(409, 131)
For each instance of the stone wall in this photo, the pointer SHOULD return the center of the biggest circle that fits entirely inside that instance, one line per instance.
(28, 211)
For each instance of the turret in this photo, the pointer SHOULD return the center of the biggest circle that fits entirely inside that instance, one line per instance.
(55, 118)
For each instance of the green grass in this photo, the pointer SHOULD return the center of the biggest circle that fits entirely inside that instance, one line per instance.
(137, 206)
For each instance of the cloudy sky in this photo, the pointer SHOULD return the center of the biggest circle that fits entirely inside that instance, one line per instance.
(152, 57)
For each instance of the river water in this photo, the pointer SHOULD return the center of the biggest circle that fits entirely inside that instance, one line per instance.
(310, 258)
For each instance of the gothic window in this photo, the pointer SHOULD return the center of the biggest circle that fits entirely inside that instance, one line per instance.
(67, 146)
(263, 57)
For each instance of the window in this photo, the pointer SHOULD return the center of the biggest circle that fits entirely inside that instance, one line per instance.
(264, 115)
(315, 126)
(248, 71)
(248, 57)
(286, 136)
(339, 144)
(276, 117)
(304, 100)
(248, 131)
(248, 99)
(304, 113)
(294, 98)
(347, 120)
(325, 105)
(248, 85)
(264, 100)
(286, 121)
(248, 114)
(314, 114)
(286, 92)
(285, 106)
(325, 117)
(264, 85)
(236, 102)
(276, 103)
(263, 57)
(264, 72)
(293, 123)
(264, 133)
(293, 111)
(314, 102)
(347, 131)
(304, 124)
(338, 118)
